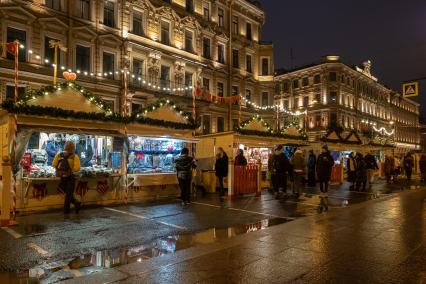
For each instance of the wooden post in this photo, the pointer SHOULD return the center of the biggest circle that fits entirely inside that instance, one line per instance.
(231, 178)
(6, 191)
(259, 179)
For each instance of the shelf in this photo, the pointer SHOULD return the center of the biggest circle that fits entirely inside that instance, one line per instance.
(156, 151)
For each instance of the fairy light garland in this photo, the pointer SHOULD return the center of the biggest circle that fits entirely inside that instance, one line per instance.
(383, 130)
(259, 119)
(274, 107)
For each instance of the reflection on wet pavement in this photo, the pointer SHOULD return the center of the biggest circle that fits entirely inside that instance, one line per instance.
(91, 263)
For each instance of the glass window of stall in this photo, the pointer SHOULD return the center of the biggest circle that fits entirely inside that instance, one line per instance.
(155, 155)
(99, 155)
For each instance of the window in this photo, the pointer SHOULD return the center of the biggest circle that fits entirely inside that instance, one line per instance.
(189, 6)
(10, 92)
(109, 13)
(49, 53)
(21, 36)
(317, 119)
(248, 31)
(305, 101)
(235, 91)
(295, 102)
(332, 76)
(333, 120)
(220, 89)
(136, 108)
(83, 9)
(206, 48)
(221, 53)
(248, 63)
(265, 98)
(165, 76)
(305, 81)
(318, 98)
(248, 96)
(188, 41)
(235, 59)
(317, 79)
(82, 58)
(220, 124)
(333, 97)
(343, 79)
(295, 84)
(206, 124)
(286, 104)
(137, 68)
(235, 123)
(53, 4)
(265, 66)
(188, 82)
(286, 86)
(138, 23)
(206, 84)
(235, 25)
(206, 11)
(165, 32)
(108, 64)
(221, 17)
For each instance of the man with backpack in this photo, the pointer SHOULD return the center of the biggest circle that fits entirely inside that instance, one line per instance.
(280, 168)
(67, 164)
(184, 165)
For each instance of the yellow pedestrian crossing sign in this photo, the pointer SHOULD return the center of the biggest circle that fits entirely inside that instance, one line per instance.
(410, 89)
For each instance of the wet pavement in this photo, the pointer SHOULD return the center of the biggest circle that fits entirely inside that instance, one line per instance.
(163, 242)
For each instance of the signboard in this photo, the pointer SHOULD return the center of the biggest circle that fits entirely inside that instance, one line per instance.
(410, 89)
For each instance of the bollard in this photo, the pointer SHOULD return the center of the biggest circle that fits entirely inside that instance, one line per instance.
(5, 194)
(230, 179)
(259, 179)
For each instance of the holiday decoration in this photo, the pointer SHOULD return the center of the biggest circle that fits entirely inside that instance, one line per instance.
(70, 76)
(353, 138)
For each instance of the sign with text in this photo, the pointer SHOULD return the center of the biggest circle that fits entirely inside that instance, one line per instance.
(410, 89)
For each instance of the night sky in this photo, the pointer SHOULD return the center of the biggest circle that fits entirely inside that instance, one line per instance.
(391, 33)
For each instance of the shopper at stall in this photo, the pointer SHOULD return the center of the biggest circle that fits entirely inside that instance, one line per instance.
(390, 167)
(325, 165)
(312, 161)
(371, 167)
(422, 166)
(299, 169)
(408, 165)
(84, 151)
(53, 146)
(67, 164)
(184, 166)
(240, 160)
(221, 168)
(351, 170)
(281, 167)
(361, 172)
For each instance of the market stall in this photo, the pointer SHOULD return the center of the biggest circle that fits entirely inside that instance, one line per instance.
(257, 140)
(153, 147)
(46, 118)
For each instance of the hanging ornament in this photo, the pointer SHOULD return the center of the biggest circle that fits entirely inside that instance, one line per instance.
(69, 76)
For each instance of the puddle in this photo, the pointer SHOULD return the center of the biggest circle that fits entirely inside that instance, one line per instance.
(92, 263)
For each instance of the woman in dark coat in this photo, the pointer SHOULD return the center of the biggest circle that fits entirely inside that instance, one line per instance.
(325, 163)
(361, 172)
(351, 170)
(240, 160)
(221, 168)
(312, 161)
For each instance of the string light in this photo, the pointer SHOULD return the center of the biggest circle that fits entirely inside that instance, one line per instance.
(382, 130)
(296, 113)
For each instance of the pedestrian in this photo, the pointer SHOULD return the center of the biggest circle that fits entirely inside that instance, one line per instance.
(371, 167)
(325, 163)
(422, 166)
(351, 170)
(408, 165)
(299, 169)
(361, 172)
(221, 168)
(184, 166)
(67, 164)
(389, 167)
(271, 170)
(280, 170)
(312, 161)
(240, 160)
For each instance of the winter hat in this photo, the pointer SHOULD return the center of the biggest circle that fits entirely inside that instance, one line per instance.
(325, 147)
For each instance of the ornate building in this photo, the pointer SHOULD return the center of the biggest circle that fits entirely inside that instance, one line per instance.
(340, 97)
(150, 48)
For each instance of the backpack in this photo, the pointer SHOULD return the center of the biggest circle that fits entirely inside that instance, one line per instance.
(63, 168)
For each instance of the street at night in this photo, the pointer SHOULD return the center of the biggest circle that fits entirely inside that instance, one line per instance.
(212, 141)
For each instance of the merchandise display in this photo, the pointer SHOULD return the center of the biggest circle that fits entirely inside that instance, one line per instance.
(96, 154)
(259, 154)
(153, 155)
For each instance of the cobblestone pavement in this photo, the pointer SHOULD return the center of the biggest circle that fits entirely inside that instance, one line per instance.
(376, 236)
